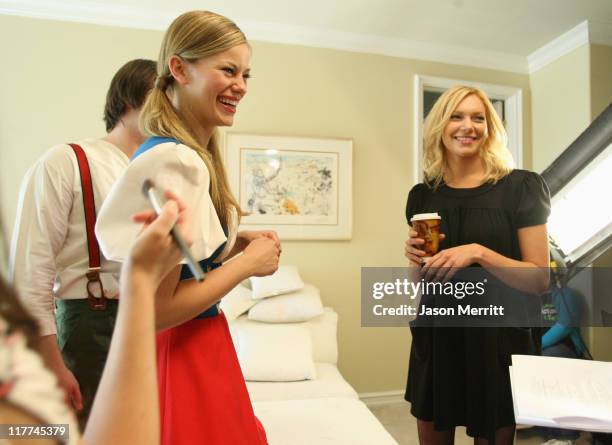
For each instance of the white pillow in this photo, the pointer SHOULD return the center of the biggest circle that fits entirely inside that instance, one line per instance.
(323, 332)
(286, 279)
(236, 302)
(294, 307)
(283, 354)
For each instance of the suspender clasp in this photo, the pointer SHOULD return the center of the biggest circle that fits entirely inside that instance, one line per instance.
(93, 278)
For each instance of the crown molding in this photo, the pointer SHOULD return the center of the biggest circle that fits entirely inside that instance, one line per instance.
(98, 13)
(370, 44)
(556, 48)
(145, 18)
(586, 32)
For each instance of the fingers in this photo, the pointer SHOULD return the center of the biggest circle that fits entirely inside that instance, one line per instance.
(146, 216)
(149, 215)
(171, 196)
(412, 257)
(276, 245)
(426, 270)
(450, 274)
(413, 235)
(182, 205)
(269, 234)
(167, 218)
(414, 263)
(415, 241)
(409, 249)
(440, 274)
(77, 398)
(437, 268)
(274, 237)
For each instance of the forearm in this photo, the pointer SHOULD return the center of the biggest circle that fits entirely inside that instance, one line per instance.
(126, 408)
(245, 237)
(40, 233)
(33, 275)
(522, 275)
(192, 298)
(237, 248)
(50, 352)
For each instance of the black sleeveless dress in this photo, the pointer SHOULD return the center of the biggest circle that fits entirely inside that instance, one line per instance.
(460, 376)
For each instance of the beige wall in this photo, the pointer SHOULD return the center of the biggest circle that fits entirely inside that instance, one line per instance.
(53, 84)
(601, 96)
(601, 78)
(566, 96)
(560, 105)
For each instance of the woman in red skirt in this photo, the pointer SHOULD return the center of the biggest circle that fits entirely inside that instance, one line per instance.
(203, 68)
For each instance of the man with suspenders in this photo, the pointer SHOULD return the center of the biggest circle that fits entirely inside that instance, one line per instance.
(55, 261)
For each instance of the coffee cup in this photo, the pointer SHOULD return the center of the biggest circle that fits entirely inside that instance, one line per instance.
(427, 225)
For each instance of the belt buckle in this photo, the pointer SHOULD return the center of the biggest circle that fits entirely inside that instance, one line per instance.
(93, 277)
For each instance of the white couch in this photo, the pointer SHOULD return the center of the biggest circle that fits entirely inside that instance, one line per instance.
(323, 411)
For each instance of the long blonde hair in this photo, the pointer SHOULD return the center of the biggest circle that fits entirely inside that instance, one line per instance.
(192, 36)
(494, 153)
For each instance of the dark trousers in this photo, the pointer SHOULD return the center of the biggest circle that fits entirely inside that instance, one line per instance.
(84, 336)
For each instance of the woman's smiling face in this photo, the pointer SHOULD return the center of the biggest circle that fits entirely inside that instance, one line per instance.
(466, 129)
(217, 84)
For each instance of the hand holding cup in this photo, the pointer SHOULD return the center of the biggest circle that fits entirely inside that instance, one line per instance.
(425, 237)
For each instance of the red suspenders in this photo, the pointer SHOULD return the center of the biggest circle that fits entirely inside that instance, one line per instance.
(93, 273)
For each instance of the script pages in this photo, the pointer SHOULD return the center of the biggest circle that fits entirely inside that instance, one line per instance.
(562, 393)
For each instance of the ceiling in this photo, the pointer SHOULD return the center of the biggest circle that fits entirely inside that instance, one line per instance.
(514, 28)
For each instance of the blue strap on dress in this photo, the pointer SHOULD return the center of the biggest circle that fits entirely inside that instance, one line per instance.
(207, 264)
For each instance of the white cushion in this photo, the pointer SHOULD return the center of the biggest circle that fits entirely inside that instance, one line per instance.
(236, 302)
(286, 279)
(323, 332)
(293, 307)
(329, 421)
(280, 355)
(329, 383)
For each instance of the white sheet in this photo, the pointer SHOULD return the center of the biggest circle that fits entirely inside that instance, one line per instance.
(562, 392)
(333, 421)
(329, 383)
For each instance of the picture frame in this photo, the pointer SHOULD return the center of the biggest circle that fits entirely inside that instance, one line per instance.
(300, 187)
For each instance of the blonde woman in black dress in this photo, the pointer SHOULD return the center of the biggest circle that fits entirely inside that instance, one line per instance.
(493, 216)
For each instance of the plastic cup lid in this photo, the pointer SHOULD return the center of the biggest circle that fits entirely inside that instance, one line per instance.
(423, 216)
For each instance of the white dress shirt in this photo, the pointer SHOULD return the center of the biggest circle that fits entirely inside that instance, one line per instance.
(49, 253)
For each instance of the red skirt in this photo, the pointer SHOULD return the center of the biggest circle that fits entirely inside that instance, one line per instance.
(202, 394)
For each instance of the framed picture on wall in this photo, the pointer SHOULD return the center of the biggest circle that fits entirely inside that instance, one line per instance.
(300, 187)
